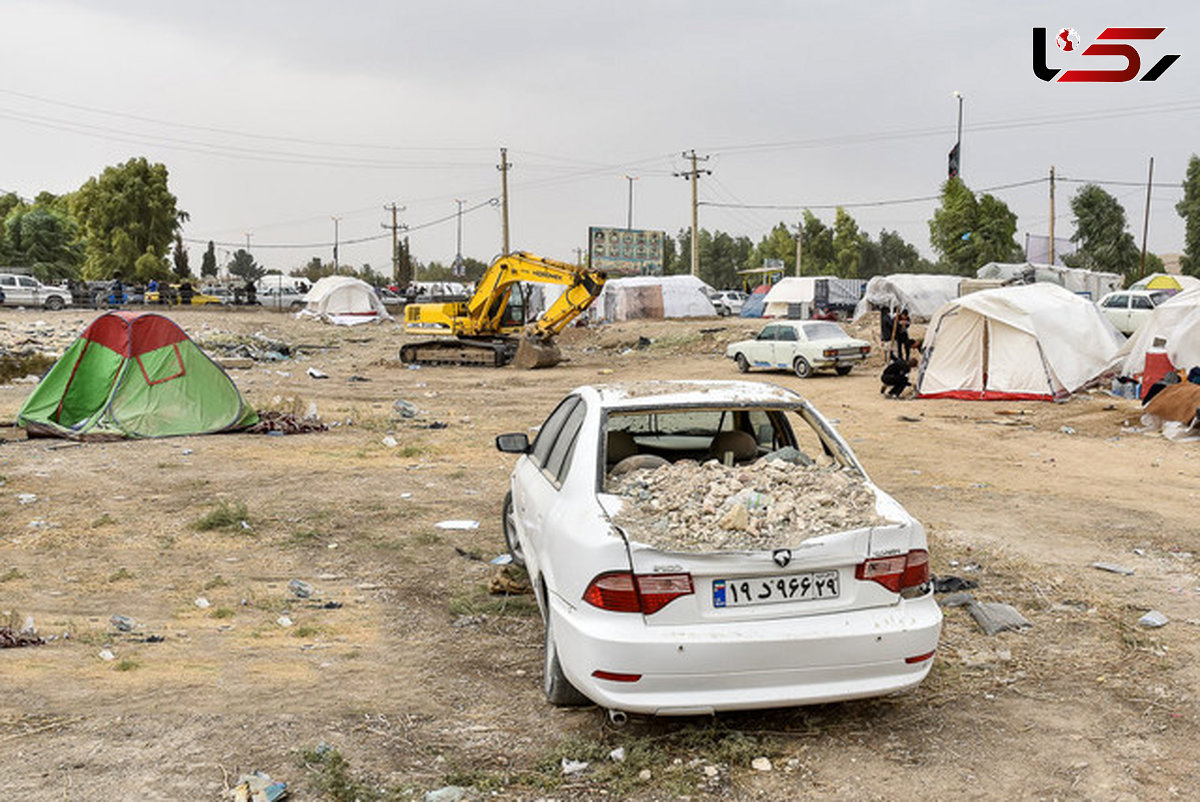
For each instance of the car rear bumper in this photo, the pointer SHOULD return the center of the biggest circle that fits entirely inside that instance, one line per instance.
(704, 668)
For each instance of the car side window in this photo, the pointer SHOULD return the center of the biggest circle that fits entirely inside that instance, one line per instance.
(768, 333)
(1141, 302)
(27, 282)
(787, 333)
(8, 281)
(559, 461)
(550, 429)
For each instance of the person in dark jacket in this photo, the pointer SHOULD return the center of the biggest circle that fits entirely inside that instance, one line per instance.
(895, 376)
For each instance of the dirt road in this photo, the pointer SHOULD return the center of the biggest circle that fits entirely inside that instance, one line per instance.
(420, 679)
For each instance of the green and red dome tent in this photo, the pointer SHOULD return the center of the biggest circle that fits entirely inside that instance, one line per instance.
(134, 375)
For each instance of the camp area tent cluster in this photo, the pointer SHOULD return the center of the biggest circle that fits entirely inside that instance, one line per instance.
(134, 375)
(344, 301)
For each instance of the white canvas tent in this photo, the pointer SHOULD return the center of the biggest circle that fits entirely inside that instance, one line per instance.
(1091, 283)
(344, 301)
(1177, 323)
(1036, 342)
(640, 297)
(921, 294)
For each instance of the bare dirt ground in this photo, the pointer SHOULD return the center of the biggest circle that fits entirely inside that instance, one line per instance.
(422, 679)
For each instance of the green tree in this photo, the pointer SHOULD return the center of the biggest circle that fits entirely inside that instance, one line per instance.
(847, 244)
(1189, 209)
(898, 256)
(1102, 241)
(45, 240)
(670, 255)
(179, 259)
(244, 267)
(150, 265)
(779, 244)
(126, 212)
(967, 233)
(208, 264)
(818, 256)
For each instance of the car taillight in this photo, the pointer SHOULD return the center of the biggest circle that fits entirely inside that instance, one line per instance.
(625, 592)
(866, 349)
(898, 573)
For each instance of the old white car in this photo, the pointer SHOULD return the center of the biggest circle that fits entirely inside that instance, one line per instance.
(645, 615)
(801, 346)
(1127, 310)
(21, 290)
(728, 302)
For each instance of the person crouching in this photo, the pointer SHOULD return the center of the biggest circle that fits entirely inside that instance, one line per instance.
(895, 376)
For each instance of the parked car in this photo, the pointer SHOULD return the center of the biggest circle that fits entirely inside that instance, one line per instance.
(171, 295)
(801, 346)
(282, 297)
(1127, 310)
(679, 630)
(728, 302)
(27, 291)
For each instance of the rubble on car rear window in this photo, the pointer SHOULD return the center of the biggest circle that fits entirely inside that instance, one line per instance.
(690, 506)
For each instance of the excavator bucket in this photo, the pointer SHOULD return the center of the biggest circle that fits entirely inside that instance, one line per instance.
(534, 353)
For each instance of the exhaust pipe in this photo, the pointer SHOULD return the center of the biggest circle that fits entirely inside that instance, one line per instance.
(618, 718)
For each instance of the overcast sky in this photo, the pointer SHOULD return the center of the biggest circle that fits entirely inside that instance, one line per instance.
(274, 117)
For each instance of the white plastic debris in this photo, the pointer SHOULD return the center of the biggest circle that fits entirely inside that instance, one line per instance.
(463, 525)
(617, 755)
(761, 764)
(570, 767)
(317, 374)
(107, 655)
(390, 441)
(203, 603)
(1113, 568)
(1153, 620)
(283, 621)
(26, 498)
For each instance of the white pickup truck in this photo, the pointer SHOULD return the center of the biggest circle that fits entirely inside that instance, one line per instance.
(27, 291)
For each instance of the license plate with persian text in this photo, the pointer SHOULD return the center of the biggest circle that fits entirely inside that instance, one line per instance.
(747, 591)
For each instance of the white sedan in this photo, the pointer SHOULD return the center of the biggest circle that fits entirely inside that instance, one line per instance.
(801, 346)
(639, 619)
(1127, 310)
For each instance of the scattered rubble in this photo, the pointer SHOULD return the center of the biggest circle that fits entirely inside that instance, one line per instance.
(11, 639)
(693, 506)
(271, 421)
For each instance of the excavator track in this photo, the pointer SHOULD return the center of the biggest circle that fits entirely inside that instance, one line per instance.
(494, 353)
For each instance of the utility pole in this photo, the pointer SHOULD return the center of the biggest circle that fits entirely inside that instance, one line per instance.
(396, 227)
(799, 246)
(459, 269)
(247, 242)
(335, 220)
(1146, 219)
(694, 176)
(503, 168)
(579, 256)
(1051, 214)
(629, 219)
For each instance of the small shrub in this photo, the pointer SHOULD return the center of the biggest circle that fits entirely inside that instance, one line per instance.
(11, 574)
(221, 612)
(127, 664)
(119, 574)
(225, 516)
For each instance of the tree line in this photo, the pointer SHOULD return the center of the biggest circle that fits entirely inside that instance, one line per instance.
(127, 223)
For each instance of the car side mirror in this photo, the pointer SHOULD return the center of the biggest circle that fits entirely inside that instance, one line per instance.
(513, 443)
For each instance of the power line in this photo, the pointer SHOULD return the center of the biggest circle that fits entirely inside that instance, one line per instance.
(356, 241)
(863, 204)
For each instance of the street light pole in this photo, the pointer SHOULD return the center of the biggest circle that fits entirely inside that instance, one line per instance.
(335, 220)
(629, 219)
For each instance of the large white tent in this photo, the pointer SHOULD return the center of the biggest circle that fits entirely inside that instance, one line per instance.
(1176, 323)
(344, 301)
(921, 294)
(1037, 342)
(1093, 284)
(639, 297)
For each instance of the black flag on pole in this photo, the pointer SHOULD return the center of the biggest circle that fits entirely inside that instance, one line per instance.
(953, 171)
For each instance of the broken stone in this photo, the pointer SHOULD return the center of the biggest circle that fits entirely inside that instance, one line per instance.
(690, 506)
(761, 764)
(994, 617)
(1153, 620)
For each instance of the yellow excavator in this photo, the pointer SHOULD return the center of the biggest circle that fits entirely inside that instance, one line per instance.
(482, 330)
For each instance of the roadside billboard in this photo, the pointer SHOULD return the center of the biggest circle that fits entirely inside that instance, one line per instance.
(626, 251)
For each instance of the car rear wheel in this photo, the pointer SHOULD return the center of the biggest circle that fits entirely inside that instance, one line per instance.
(508, 524)
(54, 303)
(742, 363)
(801, 368)
(559, 690)
(842, 370)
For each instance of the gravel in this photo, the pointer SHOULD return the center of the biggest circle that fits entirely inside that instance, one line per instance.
(690, 506)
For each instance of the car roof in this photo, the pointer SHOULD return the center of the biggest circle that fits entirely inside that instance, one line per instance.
(639, 395)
